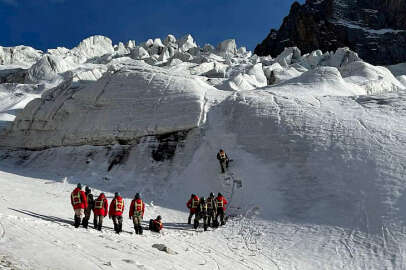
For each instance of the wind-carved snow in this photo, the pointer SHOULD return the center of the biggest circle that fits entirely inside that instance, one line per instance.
(317, 142)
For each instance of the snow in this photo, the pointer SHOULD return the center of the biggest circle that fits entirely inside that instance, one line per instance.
(317, 142)
(365, 29)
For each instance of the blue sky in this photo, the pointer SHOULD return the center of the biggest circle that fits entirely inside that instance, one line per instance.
(46, 24)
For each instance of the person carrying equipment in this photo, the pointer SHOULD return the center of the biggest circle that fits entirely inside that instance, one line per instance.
(116, 212)
(156, 225)
(90, 205)
(201, 214)
(211, 209)
(137, 210)
(100, 211)
(221, 208)
(79, 203)
(192, 204)
(223, 159)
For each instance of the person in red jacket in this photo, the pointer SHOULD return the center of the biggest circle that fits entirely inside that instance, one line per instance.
(221, 208)
(79, 202)
(192, 204)
(137, 209)
(100, 211)
(116, 212)
(155, 225)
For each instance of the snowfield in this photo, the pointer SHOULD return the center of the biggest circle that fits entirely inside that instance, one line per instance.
(318, 143)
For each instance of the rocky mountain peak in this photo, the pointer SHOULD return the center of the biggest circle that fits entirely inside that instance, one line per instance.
(375, 29)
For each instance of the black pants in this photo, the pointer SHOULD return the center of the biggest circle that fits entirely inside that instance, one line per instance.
(220, 213)
(98, 222)
(118, 223)
(189, 220)
(85, 221)
(211, 215)
(197, 219)
(223, 165)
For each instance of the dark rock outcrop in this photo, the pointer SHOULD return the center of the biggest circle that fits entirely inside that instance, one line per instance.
(375, 29)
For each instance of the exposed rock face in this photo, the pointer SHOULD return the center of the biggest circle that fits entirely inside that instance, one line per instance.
(375, 29)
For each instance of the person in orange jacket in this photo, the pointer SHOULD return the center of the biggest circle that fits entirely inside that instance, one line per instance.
(192, 204)
(79, 202)
(156, 225)
(100, 211)
(221, 208)
(116, 212)
(137, 210)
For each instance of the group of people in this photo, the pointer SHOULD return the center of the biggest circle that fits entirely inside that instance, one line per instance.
(209, 210)
(84, 204)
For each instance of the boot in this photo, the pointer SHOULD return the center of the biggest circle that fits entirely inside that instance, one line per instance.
(205, 227)
(136, 229)
(120, 227)
(140, 229)
(99, 227)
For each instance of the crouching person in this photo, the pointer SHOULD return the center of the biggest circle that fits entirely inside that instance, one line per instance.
(156, 225)
(100, 211)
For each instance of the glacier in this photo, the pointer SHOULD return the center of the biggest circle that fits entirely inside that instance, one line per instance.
(317, 142)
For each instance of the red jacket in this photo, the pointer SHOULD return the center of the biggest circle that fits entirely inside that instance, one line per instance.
(192, 204)
(101, 206)
(158, 224)
(78, 199)
(221, 202)
(137, 206)
(116, 207)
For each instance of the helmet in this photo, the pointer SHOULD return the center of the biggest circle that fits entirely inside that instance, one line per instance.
(191, 196)
(79, 186)
(158, 217)
(219, 195)
(102, 194)
(211, 194)
(202, 199)
(87, 189)
(137, 196)
(116, 194)
(221, 150)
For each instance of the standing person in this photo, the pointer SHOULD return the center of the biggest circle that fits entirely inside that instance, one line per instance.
(100, 211)
(156, 225)
(116, 212)
(221, 208)
(90, 205)
(192, 204)
(223, 159)
(137, 210)
(201, 214)
(79, 203)
(211, 209)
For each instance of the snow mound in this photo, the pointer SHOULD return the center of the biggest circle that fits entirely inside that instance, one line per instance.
(94, 46)
(320, 81)
(373, 79)
(20, 55)
(47, 68)
(134, 101)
